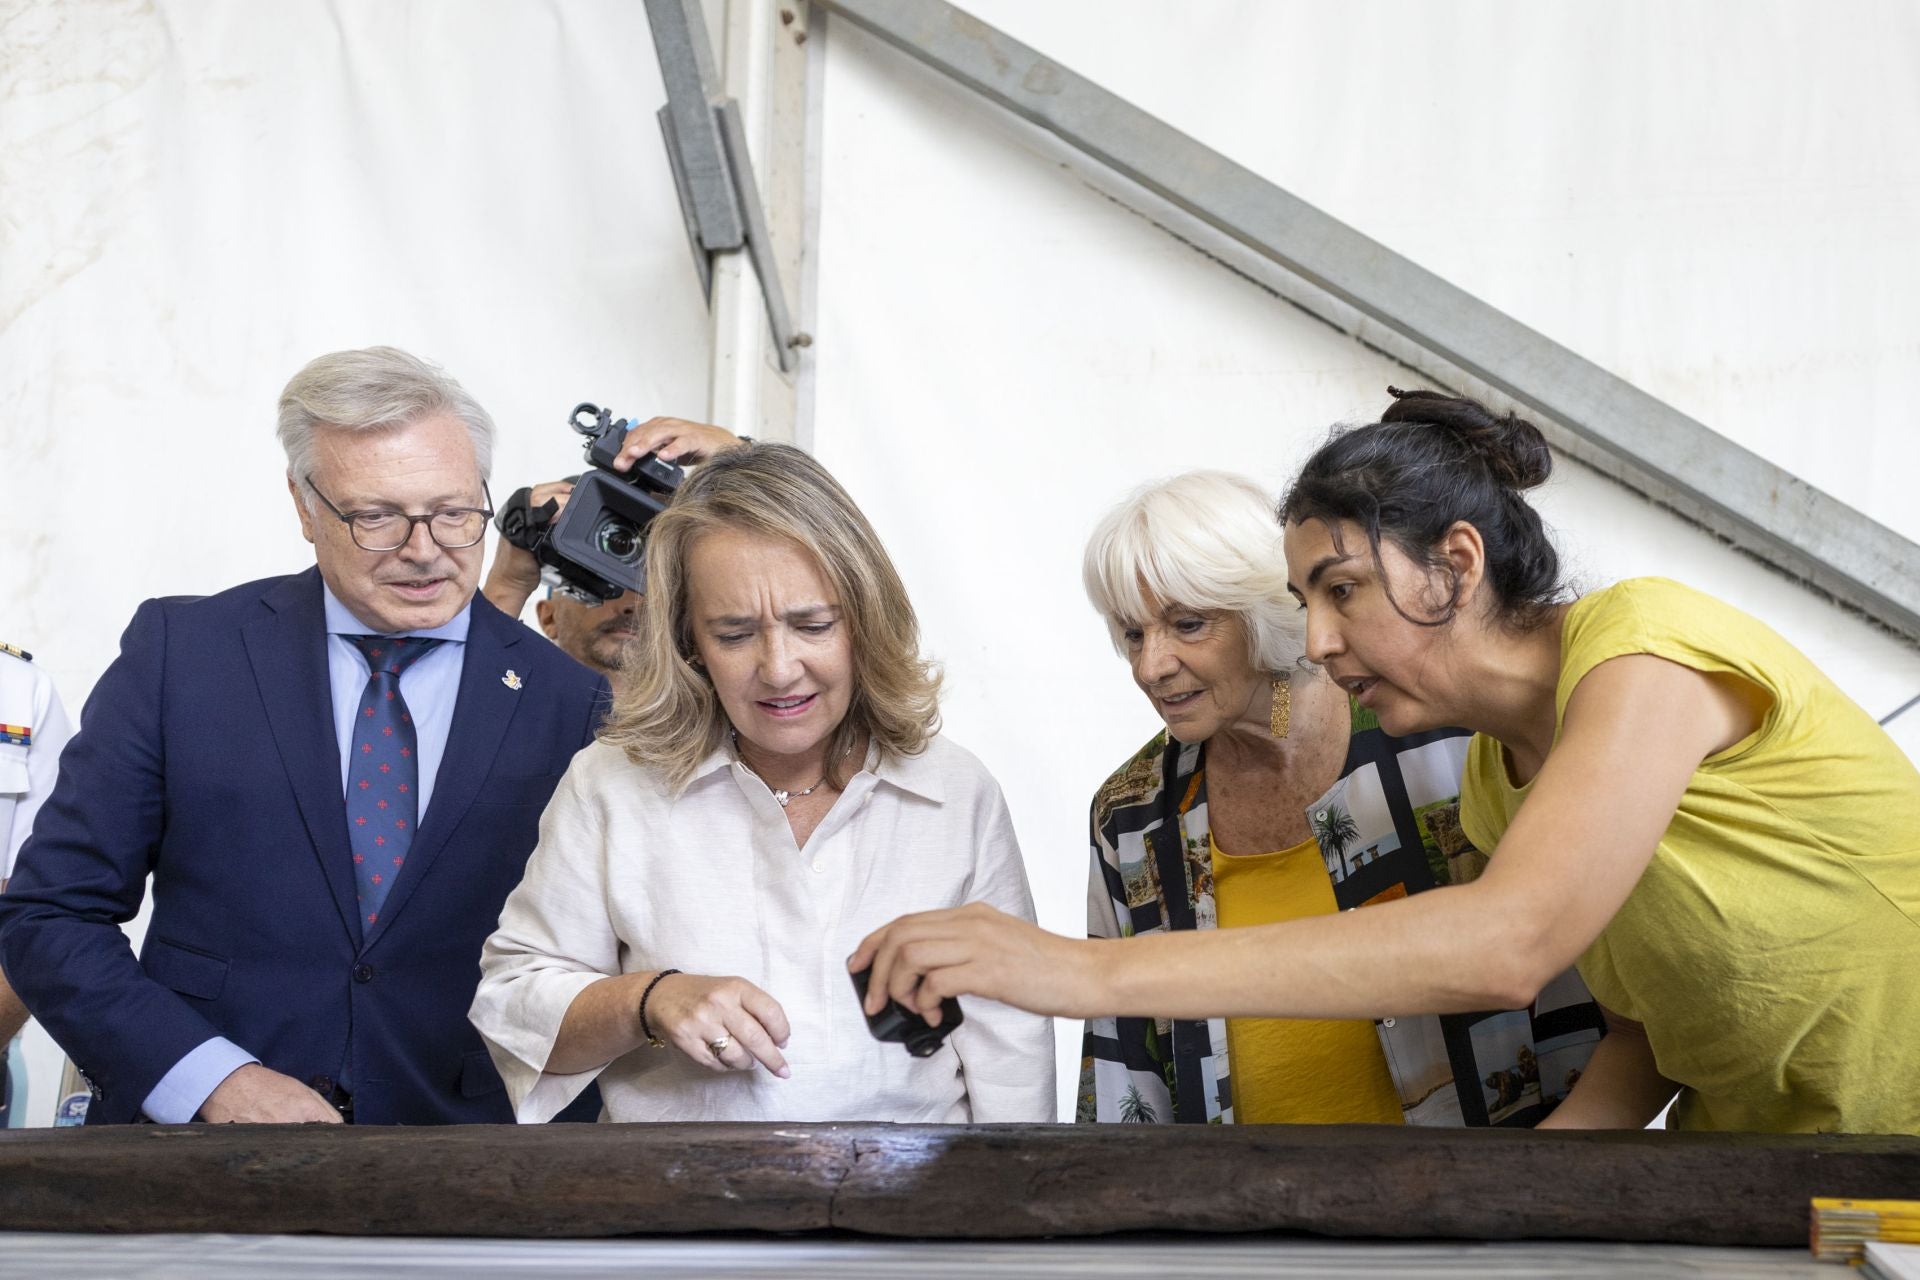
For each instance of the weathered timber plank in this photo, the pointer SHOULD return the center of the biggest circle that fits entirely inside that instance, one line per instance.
(1367, 1181)
(1004, 1181)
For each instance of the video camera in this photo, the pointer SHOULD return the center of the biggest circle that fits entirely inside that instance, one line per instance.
(596, 549)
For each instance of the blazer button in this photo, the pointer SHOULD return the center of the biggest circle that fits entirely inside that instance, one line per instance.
(363, 973)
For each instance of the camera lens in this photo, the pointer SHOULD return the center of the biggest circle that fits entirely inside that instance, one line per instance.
(618, 538)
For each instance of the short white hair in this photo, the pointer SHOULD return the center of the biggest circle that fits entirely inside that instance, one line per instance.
(1206, 540)
(376, 389)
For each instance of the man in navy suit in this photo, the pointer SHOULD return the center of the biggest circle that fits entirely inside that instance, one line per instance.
(334, 778)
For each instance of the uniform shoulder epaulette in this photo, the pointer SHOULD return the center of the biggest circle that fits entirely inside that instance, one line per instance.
(16, 651)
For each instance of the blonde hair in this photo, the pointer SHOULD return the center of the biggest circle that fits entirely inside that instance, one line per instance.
(1204, 540)
(668, 715)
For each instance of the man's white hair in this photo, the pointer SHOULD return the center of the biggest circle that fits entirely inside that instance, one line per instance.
(377, 389)
(1206, 540)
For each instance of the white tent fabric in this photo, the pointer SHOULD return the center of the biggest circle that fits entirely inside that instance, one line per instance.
(1720, 202)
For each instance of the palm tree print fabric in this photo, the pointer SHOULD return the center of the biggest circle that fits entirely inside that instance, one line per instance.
(1388, 828)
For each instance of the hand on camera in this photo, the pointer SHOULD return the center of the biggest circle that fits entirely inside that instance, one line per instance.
(694, 1013)
(674, 440)
(254, 1094)
(515, 575)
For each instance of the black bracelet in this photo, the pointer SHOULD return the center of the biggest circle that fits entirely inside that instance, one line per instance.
(645, 1030)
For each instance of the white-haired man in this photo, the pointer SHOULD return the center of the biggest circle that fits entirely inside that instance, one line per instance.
(334, 779)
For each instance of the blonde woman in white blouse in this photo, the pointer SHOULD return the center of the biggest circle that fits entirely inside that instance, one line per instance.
(771, 787)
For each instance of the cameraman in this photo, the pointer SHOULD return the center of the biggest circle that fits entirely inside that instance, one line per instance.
(596, 634)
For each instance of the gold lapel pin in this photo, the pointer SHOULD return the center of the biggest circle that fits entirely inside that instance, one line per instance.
(512, 679)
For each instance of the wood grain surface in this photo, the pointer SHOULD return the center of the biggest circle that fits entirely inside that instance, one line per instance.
(932, 1181)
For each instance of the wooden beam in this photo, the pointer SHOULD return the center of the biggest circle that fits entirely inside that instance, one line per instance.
(932, 1181)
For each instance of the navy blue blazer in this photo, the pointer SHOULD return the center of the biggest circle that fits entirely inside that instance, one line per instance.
(207, 757)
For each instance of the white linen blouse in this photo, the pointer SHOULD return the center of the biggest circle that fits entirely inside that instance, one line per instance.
(628, 878)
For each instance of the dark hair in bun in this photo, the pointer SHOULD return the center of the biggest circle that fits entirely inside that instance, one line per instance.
(1430, 461)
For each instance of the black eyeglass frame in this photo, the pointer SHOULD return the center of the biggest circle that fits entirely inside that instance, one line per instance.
(347, 517)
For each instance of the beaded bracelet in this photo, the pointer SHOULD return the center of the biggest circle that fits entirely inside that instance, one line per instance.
(645, 1030)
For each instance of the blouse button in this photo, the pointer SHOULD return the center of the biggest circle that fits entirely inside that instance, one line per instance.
(818, 865)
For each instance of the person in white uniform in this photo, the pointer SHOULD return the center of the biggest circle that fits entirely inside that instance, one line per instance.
(33, 729)
(771, 786)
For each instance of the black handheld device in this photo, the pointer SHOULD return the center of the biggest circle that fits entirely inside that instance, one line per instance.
(898, 1023)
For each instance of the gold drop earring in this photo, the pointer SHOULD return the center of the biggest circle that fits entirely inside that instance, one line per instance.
(1280, 715)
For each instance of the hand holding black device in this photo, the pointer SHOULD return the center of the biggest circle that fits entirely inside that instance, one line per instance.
(897, 1022)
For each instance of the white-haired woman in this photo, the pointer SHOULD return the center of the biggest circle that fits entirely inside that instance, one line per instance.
(1269, 796)
(771, 786)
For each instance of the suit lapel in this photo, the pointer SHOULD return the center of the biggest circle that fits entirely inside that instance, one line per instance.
(288, 652)
(481, 714)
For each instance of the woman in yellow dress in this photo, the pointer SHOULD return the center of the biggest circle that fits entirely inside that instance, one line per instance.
(1268, 796)
(1675, 798)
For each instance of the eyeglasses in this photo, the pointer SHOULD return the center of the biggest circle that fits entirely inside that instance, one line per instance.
(453, 527)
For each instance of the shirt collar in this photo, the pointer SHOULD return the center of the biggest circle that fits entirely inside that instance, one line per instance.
(720, 758)
(341, 622)
(915, 774)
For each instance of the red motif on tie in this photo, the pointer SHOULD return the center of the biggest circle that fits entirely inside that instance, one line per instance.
(383, 776)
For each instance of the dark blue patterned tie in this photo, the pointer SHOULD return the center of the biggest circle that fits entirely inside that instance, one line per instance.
(383, 782)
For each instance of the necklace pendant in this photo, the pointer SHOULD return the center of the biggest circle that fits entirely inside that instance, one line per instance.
(783, 797)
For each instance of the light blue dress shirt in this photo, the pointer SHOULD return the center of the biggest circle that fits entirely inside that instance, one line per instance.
(431, 686)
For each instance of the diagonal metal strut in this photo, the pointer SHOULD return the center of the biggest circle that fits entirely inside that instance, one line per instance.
(706, 145)
(1440, 330)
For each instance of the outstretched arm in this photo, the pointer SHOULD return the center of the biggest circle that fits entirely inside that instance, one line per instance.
(1635, 730)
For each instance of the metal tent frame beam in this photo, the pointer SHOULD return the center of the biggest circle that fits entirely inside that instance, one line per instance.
(706, 141)
(1362, 287)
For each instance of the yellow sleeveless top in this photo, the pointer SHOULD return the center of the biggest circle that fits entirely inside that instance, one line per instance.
(1772, 947)
(1292, 1070)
